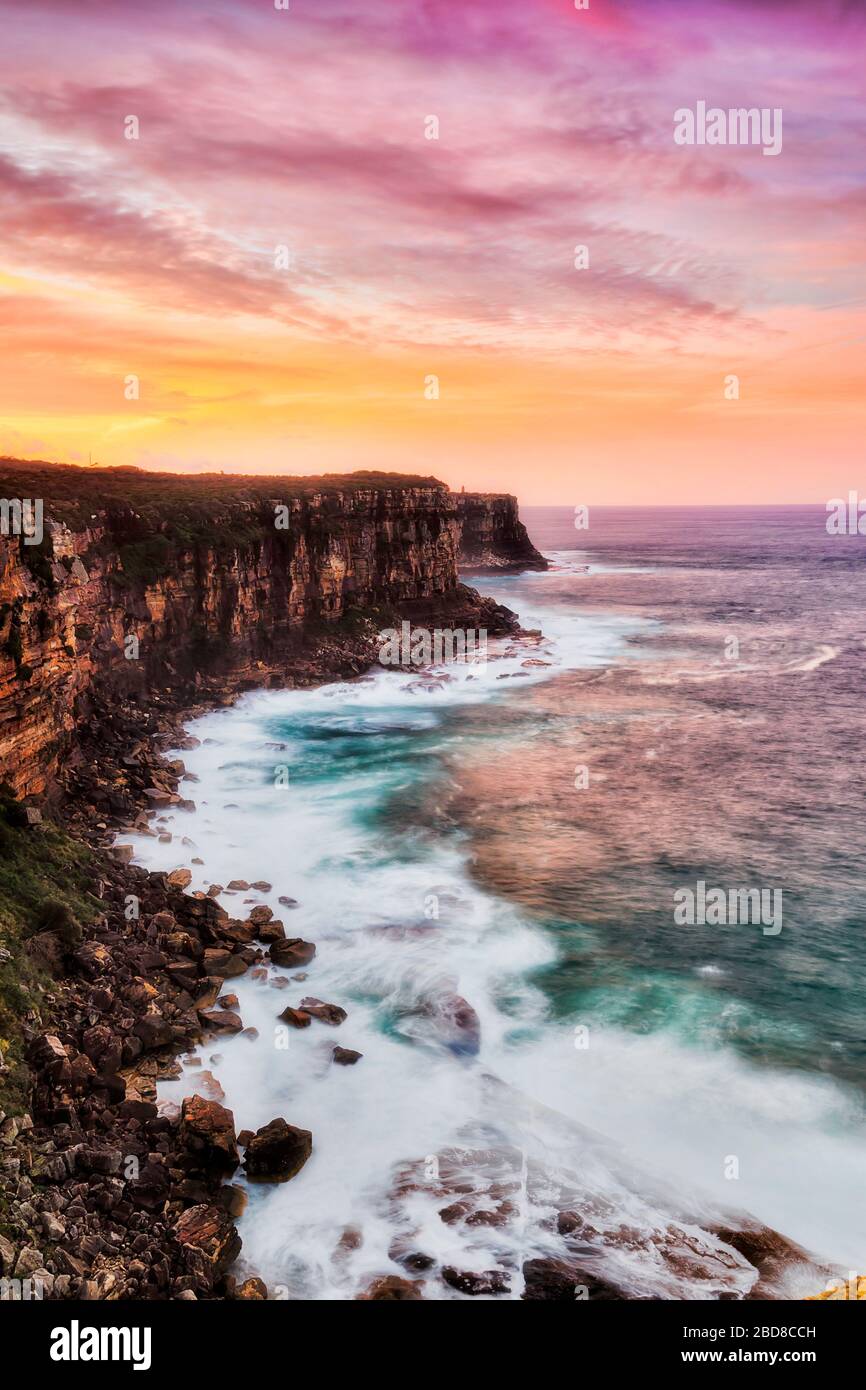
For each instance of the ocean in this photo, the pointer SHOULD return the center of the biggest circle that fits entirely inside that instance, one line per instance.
(510, 837)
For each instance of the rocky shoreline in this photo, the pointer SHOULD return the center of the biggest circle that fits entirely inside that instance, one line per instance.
(103, 1195)
(107, 1195)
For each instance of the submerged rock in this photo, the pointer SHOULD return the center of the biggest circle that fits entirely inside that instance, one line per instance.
(456, 1023)
(562, 1281)
(390, 1288)
(487, 1281)
(325, 1013)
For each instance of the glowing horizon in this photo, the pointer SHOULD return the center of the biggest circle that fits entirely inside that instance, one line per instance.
(411, 257)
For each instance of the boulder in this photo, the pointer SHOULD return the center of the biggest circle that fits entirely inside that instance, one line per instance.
(295, 1018)
(277, 1152)
(252, 1291)
(456, 1023)
(221, 1020)
(390, 1288)
(472, 1282)
(272, 931)
(179, 878)
(561, 1281)
(225, 964)
(208, 1241)
(345, 1057)
(325, 1013)
(292, 952)
(207, 1131)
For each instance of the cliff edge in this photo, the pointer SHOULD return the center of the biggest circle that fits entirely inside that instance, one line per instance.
(119, 581)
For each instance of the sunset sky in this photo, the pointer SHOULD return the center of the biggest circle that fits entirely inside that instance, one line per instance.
(412, 257)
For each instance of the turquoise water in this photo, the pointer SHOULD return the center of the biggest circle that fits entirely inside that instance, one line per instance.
(440, 851)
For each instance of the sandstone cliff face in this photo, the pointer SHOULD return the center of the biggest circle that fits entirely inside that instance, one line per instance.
(492, 536)
(107, 600)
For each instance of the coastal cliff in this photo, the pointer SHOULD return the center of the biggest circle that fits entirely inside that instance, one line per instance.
(139, 582)
(492, 536)
(129, 601)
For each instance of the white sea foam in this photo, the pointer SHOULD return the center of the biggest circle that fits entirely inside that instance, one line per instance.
(676, 1113)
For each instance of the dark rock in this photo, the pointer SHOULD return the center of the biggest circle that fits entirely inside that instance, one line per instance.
(222, 1020)
(562, 1281)
(277, 1152)
(272, 931)
(222, 963)
(489, 1281)
(207, 1131)
(390, 1288)
(345, 1057)
(292, 952)
(296, 1018)
(252, 1291)
(326, 1013)
(208, 1241)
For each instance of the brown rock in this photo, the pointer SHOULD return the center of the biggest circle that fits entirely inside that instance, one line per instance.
(560, 1281)
(209, 1242)
(225, 964)
(222, 1020)
(277, 1152)
(272, 931)
(233, 1199)
(207, 1131)
(179, 878)
(296, 1018)
(488, 1281)
(457, 1023)
(390, 1288)
(345, 1057)
(292, 952)
(325, 1013)
(183, 973)
(157, 796)
(252, 1291)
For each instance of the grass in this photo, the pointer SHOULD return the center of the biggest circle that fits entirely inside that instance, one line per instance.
(147, 518)
(44, 884)
(190, 502)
